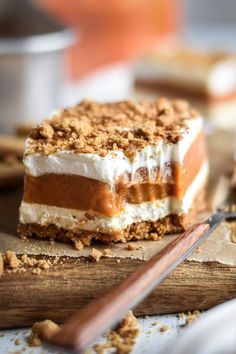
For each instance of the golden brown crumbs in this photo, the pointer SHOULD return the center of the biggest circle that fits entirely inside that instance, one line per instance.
(198, 250)
(78, 245)
(164, 328)
(123, 338)
(44, 264)
(190, 316)
(133, 247)
(36, 271)
(128, 326)
(34, 340)
(42, 331)
(232, 228)
(46, 130)
(1, 265)
(92, 127)
(107, 252)
(19, 264)
(17, 341)
(95, 255)
(181, 315)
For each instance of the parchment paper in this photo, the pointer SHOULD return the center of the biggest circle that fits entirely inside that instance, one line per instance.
(217, 248)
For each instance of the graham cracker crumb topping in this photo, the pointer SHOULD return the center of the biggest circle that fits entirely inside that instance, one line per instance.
(92, 127)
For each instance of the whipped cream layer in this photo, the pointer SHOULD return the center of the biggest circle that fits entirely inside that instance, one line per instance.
(76, 220)
(114, 164)
(218, 79)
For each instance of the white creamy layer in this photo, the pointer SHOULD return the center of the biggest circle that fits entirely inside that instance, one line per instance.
(149, 211)
(108, 168)
(218, 80)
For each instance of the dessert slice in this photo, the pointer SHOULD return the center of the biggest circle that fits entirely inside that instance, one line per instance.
(114, 172)
(208, 75)
(207, 78)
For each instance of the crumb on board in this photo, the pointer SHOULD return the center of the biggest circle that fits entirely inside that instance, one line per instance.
(123, 338)
(189, 317)
(133, 246)
(10, 259)
(42, 331)
(95, 255)
(14, 263)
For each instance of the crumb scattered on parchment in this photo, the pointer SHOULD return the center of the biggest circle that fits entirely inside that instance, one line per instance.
(232, 228)
(123, 338)
(164, 328)
(133, 247)
(95, 255)
(42, 331)
(1, 266)
(189, 317)
(107, 252)
(19, 263)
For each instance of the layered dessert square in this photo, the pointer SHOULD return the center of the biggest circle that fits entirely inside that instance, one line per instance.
(207, 78)
(114, 172)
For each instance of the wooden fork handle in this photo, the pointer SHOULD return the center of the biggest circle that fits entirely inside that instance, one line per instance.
(86, 325)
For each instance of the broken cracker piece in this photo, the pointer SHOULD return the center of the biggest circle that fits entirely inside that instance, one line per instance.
(42, 331)
(164, 328)
(95, 255)
(10, 258)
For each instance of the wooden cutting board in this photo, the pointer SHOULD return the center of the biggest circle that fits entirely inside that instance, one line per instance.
(71, 284)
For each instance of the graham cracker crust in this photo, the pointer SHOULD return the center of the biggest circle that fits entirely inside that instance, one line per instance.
(146, 230)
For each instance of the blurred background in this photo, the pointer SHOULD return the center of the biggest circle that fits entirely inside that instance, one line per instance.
(56, 52)
(53, 53)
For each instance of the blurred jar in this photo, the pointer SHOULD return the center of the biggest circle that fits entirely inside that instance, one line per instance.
(32, 66)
